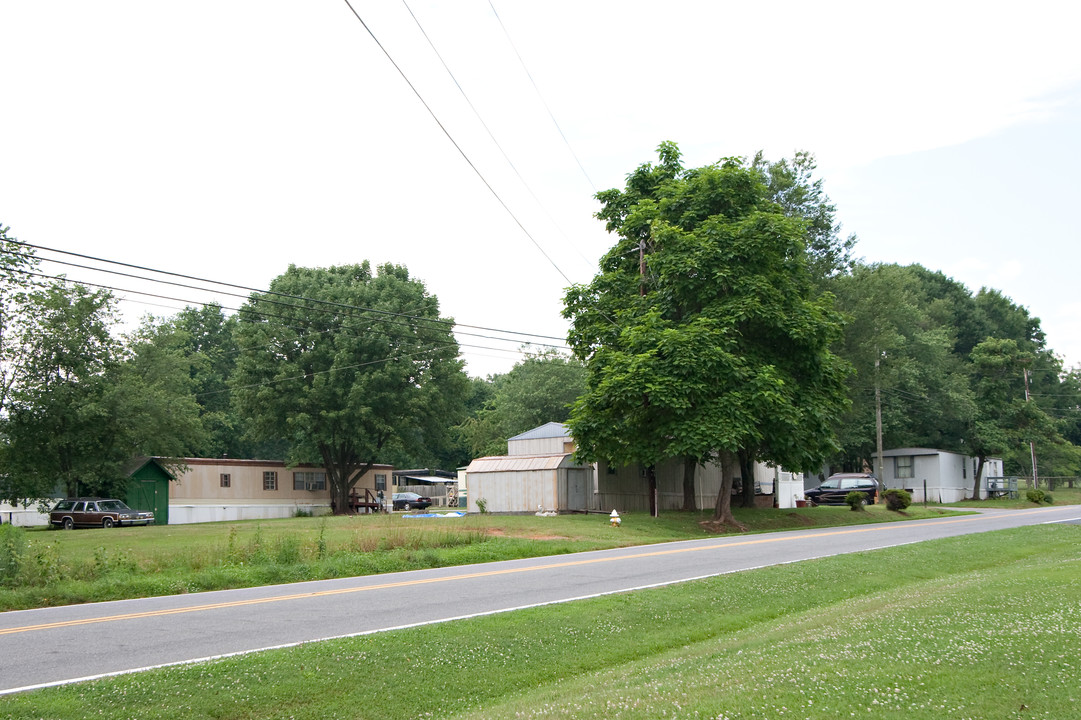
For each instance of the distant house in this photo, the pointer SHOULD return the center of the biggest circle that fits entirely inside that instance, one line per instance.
(549, 439)
(212, 490)
(18, 514)
(441, 486)
(947, 476)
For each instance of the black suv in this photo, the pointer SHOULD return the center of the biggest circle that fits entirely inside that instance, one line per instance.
(838, 485)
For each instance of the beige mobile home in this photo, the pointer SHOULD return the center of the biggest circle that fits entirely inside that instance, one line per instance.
(212, 490)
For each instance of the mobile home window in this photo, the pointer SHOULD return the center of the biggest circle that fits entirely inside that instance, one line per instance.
(270, 480)
(903, 467)
(225, 480)
(380, 482)
(309, 481)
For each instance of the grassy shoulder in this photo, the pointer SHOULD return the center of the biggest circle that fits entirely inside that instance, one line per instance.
(45, 567)
(977, 626)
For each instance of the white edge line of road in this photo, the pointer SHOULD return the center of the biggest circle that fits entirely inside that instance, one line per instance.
(240, 653)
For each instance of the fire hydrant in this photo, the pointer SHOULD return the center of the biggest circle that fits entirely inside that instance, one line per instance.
(615, 519)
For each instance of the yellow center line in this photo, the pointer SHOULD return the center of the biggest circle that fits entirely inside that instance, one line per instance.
(491, 573)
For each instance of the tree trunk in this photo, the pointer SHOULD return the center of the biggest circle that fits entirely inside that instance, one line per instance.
(976, 480)
(343, 470)
(651, 477)
(690, 464)
(722, 511)
(746, 472)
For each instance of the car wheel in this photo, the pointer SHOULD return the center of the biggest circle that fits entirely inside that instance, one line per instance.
(107, 522)
(68, 523)
(407, 506)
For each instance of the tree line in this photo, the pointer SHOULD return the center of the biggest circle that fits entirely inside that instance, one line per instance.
(342, 367)
(728, 323)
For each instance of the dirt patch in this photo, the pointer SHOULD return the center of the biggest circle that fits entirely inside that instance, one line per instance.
(801, 519)
(719, 528)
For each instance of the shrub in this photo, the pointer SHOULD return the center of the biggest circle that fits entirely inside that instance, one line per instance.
(1035, 495)
(897, 499)
(13, 552)
(856, 499)
(482, 505)
(1048, 499)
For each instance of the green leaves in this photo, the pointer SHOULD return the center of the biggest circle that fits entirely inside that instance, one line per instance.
(348, 366)
(719, 343)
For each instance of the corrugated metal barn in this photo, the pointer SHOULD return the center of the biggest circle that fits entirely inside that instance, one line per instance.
(526, 483)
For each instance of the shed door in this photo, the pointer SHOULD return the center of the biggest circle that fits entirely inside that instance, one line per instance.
(577, 481)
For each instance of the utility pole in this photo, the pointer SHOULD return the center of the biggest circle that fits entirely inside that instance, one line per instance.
(1031, 443)
(651, 472)
(642, 267)
(878, 418)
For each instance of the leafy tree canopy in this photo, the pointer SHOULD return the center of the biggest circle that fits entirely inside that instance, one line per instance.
(539, 389)
(84, 404)
(702, 333)
(347, 366)
(950, 370)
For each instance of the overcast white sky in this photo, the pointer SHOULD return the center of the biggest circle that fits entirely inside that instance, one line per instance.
(229, 138)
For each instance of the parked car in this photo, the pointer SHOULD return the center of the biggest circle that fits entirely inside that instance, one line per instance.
(96, 512)
(410, 501)
(834, 489)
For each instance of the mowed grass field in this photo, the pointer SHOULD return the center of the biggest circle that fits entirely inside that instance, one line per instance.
(46, 567)
(982, 626)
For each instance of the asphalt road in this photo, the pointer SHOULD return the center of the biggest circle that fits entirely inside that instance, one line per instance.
(52, 646)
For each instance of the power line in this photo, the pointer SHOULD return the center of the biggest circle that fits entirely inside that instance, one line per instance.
(456, 145)
(491, 135)
(354, 330)
(541, 96)
(244, 287)
(263, 313)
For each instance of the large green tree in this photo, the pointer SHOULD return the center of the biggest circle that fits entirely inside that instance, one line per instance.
(206, 337)
(537, 390)
(703, 334)
(791, 184)
(905, 364)
(17, 264)
(347, 366)
(57, 412)
(84, 404)
(947, 368)
(1004, 418)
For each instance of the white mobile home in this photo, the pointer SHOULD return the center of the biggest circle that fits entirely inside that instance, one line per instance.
(947, 476)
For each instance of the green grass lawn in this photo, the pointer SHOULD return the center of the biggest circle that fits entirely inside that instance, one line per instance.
(52, 567)
(1061, 495)
(982, 626)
